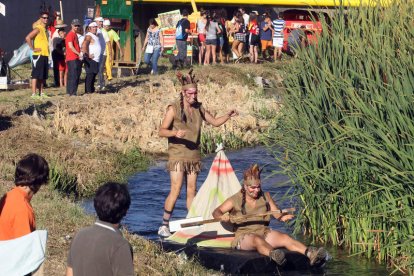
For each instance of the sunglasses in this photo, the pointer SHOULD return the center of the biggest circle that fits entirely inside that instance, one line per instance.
(45, 17)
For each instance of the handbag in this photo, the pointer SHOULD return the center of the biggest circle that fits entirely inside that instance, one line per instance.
(149, 49)
(231, 38)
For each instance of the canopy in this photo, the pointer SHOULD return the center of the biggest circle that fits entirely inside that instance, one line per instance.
(221, 183)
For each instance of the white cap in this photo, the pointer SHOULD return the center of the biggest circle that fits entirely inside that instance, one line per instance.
(100, 19)
(93, 24)
(107, 22)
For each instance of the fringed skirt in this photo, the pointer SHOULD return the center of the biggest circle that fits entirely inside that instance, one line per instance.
(188, 167)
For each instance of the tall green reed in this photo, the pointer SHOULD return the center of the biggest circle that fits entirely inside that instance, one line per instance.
(347, 133)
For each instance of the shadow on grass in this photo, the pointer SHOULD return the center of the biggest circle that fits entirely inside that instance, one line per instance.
(38, 108)
(5, 123)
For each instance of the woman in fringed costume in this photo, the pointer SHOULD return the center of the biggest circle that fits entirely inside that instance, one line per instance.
(182, 126)
(254, 233)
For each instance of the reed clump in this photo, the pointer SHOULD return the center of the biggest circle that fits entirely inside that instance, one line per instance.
(347, 133)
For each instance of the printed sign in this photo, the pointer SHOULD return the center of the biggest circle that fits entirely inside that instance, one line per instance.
(2, 9)
(168, 20)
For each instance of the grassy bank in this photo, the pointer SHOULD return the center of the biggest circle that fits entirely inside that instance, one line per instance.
(95, 138)
(347, 131)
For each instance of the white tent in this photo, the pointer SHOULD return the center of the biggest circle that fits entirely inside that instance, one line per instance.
(221, 183)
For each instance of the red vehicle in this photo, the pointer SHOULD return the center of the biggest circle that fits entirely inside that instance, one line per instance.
(296, 18)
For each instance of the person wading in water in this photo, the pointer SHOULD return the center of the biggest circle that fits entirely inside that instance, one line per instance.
(254, 233)
(182, 126)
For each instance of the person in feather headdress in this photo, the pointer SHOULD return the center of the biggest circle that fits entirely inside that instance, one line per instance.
(182, 126)
(254, 233)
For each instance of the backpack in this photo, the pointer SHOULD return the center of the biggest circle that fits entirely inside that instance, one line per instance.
(179, 30)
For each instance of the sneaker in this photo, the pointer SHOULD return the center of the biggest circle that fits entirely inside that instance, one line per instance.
(44, 96)
(35, 97)
(164, 231)
(278, 256)
(317, 256)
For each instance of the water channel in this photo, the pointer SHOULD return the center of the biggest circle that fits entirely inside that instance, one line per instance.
(149, 190)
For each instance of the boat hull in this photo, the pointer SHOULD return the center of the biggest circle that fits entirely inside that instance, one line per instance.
(239, 262)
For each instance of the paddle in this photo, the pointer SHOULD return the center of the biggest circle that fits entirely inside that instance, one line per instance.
(198, 221)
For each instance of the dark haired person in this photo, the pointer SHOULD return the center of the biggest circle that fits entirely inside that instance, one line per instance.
(254, 233)
(181, 36)
(16, 214)
(212, 30)
(101, 249)
(182, 126)
(153, 45)
(73, 58)
(38, 42)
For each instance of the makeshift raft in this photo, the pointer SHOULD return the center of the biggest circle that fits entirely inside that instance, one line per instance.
(210, 243)
(240, 262)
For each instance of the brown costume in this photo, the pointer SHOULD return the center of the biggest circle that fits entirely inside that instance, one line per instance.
(254, 225)
(184, 153)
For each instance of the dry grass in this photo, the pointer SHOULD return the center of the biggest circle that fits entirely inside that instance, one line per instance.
(84, 137)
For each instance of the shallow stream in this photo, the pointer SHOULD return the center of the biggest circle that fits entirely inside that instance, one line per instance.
(149, 190)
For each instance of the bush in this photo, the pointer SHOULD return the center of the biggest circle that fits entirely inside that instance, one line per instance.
(347, 132)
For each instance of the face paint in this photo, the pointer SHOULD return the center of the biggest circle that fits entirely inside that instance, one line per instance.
(190, 95)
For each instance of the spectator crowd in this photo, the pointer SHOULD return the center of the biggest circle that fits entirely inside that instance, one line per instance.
(241, 38)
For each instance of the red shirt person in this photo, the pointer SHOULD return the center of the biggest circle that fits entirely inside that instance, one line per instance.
(73, 58)
(16, 214)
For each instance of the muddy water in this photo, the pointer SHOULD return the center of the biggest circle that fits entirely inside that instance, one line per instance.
(149, 190)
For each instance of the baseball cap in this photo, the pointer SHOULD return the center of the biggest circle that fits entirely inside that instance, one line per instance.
(100, 19)
(107, 22)
(93, 24)
(76, 22)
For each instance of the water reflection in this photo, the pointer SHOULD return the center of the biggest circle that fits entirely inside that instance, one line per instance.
(149, 190)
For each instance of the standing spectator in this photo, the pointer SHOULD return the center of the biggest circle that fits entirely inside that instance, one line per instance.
(278, 36)
(101, 249)
(38, 42)
(239, 37)
(104, 41)
(113, 37)
(201, 30)
(297, 39)
(58, 56)
(73, 58)
(230, 35)
(153, 45)
(245, 16)
(254, 38)
(56, 40)
(266, 35)
(181, 36)
(92, 51)
(16, 214)
(221, 36)
(212, 30)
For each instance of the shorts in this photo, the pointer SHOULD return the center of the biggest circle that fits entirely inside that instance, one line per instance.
(201, 38)
(240, 37)
(61, 65)
(40, 67)
(211, 42)
(266, 44)
(278, 42)
(254, 40)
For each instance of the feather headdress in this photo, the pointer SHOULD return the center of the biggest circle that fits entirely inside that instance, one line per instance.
(187, 80)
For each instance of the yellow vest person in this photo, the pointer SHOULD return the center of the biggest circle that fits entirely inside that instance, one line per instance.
(113, 37)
